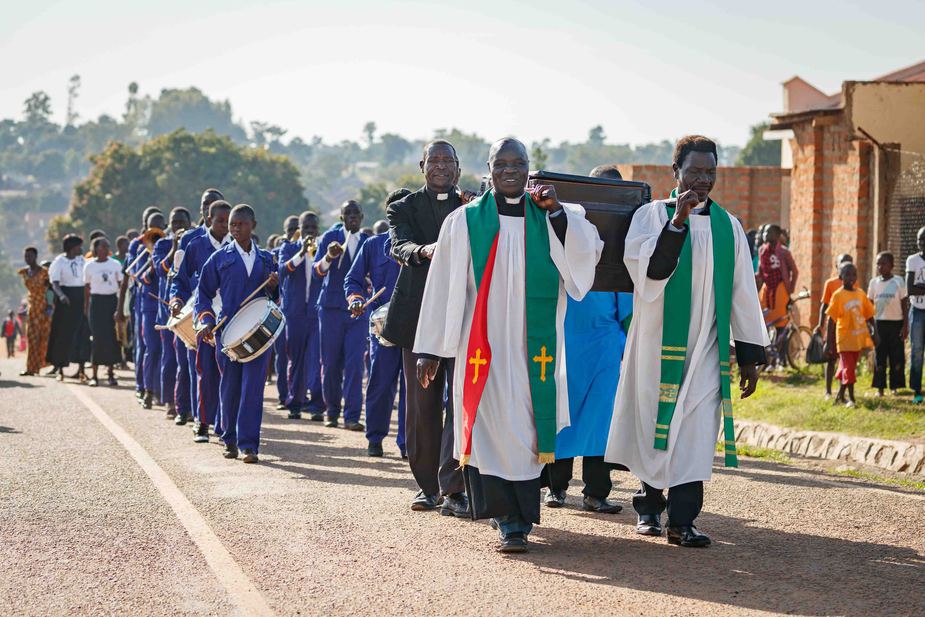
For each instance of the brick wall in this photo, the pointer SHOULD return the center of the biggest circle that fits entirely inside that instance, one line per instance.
(754, 194)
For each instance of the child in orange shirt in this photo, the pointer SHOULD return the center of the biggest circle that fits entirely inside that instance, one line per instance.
(851, 326)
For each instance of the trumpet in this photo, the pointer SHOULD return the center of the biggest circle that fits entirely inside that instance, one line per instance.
(311, 246)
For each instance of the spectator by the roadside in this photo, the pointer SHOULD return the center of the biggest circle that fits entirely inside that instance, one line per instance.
(10, 331)
(915, 285)
(890, 297)
(851, 328)
(831, 286)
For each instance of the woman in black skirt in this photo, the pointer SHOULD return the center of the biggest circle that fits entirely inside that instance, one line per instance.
(102, 276)
(69, 340)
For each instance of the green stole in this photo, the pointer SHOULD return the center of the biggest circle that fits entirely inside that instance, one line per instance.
(542, 297)
(676, 323)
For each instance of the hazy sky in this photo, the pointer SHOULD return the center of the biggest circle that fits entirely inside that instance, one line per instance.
(644, 70)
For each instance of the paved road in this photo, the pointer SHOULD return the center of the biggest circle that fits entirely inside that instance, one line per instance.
(109, 509)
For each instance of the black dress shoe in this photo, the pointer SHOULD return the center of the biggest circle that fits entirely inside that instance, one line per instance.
(649, 525)
(687, 535)
(171, 412)
(554, 499)
(354, 426)
(515, 542)
(250, 456)
(604, 506)
(316, 417)
(294, 415)
(181, 419)
(230, 451)
(148, 401)
(281, 406)
(332, 423)
(374, 449)
(456, 505)
(423, 502)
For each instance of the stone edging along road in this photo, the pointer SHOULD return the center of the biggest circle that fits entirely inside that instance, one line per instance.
(900, 456)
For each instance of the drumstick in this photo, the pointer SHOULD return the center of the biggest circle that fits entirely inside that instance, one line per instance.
(222, 321)
(159, 299)
(370, 301)
(374, 296)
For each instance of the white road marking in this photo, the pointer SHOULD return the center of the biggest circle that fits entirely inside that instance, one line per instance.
(240, 588)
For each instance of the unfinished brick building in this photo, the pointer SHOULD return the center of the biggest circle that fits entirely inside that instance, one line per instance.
(858, 171)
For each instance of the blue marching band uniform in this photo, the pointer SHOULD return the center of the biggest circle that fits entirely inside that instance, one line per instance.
(343, 338)
(320, 356)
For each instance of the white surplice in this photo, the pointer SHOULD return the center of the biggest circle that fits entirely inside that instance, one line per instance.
(504, 434)
(695, 425)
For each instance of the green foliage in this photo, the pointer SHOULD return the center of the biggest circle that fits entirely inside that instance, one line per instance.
(38, 107)
(192, 110)
(372, 200)
(758, 151)
(172, 170)
(12, 291)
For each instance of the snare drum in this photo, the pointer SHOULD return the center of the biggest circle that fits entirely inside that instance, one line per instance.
(182, 325)
(252, 330)
(377, 323)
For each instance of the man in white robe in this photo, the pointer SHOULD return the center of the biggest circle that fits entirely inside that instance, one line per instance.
(502, 459)
(652, 250)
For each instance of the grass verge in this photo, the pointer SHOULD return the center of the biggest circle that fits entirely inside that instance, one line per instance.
(796, 400)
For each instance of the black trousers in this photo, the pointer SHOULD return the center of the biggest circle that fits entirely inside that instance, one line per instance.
(594, 472)
(684, 502)
(890, 353)
(428, 431)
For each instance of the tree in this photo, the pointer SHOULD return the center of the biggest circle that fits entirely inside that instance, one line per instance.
(596, 136)
(73, 88)
(538, 158)
(173, 170)
(758, 151)
(372, 200)
(369, 130)
(192, 110)
(395, 149)
(38, 108)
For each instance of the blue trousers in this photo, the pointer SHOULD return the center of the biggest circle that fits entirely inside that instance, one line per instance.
(139, 349)
(192, 379)
(917, 339)
(303, 373)
(152, 357)
(241, 398)
(385, 377)
(207, 380)
(343, 343)
(182, 393)
(168, 367)
(281, 366)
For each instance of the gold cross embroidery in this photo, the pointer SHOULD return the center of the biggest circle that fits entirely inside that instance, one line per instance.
(477, 361)
(543, 360)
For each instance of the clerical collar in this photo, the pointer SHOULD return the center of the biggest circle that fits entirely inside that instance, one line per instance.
(438, 196)
(514, 200)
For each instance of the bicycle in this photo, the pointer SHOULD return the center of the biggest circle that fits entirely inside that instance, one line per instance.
(788, 346)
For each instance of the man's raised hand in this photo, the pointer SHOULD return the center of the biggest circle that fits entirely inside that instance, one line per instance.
(545, 197)
(686, 200)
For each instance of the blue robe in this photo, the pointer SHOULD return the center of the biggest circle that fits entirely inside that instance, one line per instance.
(151, 360)
(385, 374)
(241, 385)
(138, 343)
(168, 363)
(594, 342)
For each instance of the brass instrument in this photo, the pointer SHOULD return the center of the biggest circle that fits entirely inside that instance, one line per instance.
(150, 237)
(311, 246)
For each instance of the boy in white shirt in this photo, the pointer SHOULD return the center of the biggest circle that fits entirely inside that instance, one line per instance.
(915, 285)
(888, 293)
